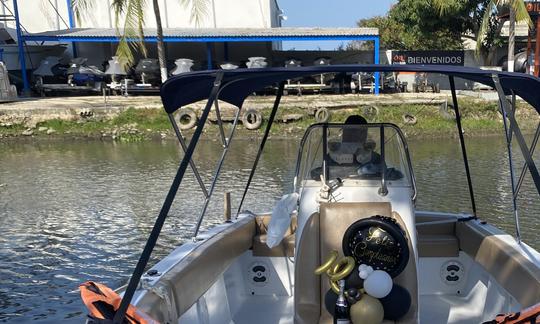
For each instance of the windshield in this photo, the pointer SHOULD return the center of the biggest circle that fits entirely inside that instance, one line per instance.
(353, 152)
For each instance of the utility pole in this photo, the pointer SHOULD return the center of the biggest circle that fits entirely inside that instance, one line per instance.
(537, 48)
(511, 39)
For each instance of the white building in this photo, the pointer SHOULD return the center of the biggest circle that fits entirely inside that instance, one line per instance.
(39, 16)
(46, 15)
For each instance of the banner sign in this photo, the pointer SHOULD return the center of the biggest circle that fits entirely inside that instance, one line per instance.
(429, 57)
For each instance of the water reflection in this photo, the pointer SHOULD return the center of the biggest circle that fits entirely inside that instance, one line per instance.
(72, 211)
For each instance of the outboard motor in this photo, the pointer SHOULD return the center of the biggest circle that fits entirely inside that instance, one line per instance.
(323, 78)
(228, 66)
(256, 62)
(148, 71)
(183, 65)
(290, 63)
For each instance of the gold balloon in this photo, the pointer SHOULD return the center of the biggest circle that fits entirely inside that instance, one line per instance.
(367, 310)
(336, 269)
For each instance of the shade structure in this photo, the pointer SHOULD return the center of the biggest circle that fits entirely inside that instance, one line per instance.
(238, 84)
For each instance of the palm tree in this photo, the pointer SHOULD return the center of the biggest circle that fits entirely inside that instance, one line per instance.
(518, 13)
(132, 32)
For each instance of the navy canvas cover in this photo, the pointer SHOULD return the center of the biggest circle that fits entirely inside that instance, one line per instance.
(238, 84)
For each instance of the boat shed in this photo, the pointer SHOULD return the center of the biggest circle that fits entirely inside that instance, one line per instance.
(210, 38)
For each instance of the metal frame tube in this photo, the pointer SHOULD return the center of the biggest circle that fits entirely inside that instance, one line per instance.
(72, 24)
(263, 143)
(462, 143)
(517, 132)
(209, 56)
(184, 148)
(508, 136)
(151, 242)
(20, 46)
(384, 189)
(220, 124)
(325, 152)
(216, 174)
(376, 55)
(531, 151)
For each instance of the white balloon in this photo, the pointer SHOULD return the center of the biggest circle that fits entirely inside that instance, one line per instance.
(378, 284)
(363, 274)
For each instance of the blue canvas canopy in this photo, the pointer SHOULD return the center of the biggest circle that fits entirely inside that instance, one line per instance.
(188, 88)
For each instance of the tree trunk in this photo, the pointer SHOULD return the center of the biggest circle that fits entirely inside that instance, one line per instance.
(160, 45)
(511, 39)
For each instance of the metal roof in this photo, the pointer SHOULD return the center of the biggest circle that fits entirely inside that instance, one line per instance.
(211, 34)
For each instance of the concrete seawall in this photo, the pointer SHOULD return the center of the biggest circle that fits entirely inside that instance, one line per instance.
(29, 112)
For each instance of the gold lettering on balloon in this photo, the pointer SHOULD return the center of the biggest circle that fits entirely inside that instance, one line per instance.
(380, 238)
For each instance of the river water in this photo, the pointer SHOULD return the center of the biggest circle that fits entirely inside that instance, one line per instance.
(77, 211)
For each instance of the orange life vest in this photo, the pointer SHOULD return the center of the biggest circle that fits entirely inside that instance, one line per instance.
(530, 315)
(103, 302)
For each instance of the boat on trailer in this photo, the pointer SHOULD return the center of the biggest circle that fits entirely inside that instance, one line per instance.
(351, 220)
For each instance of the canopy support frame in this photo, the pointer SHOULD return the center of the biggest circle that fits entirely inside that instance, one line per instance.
(462, 143)
(156, 230)
(263, 143)
(508, 137)
(192, 165)
(217, 171)
(507, 114)
(524, 167)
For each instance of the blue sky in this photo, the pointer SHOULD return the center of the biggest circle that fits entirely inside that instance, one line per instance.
(328, 13)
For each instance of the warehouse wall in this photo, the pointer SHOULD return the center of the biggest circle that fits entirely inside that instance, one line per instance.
(219, 14)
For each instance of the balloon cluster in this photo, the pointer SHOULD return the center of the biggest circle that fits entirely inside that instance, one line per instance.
(371, 293)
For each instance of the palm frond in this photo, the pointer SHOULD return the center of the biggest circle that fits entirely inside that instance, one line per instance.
(522, 15)
(81, 8)
(199, 10)
(446, 6)
(131, 33)
(484, 27)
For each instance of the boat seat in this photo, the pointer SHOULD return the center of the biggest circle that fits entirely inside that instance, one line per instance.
(197, 272)
(436, 240)
(439, 245)
(503, 258)
(285, 248)
(322, 233)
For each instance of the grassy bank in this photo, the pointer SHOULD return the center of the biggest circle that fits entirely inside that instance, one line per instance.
(479, 118)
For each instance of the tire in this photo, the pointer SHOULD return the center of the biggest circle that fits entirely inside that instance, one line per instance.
(370, 112)
(447, 111)
(322, 115)
(252, 119)
(409, 119)
(186, 118)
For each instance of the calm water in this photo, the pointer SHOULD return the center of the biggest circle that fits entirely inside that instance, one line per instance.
(77, 211)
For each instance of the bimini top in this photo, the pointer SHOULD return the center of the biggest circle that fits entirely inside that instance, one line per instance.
(236, 85)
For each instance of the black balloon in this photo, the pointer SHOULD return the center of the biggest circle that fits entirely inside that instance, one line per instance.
(396, 303)
(353, 280)
(330, 299)
(378, 242)
(353, 295)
